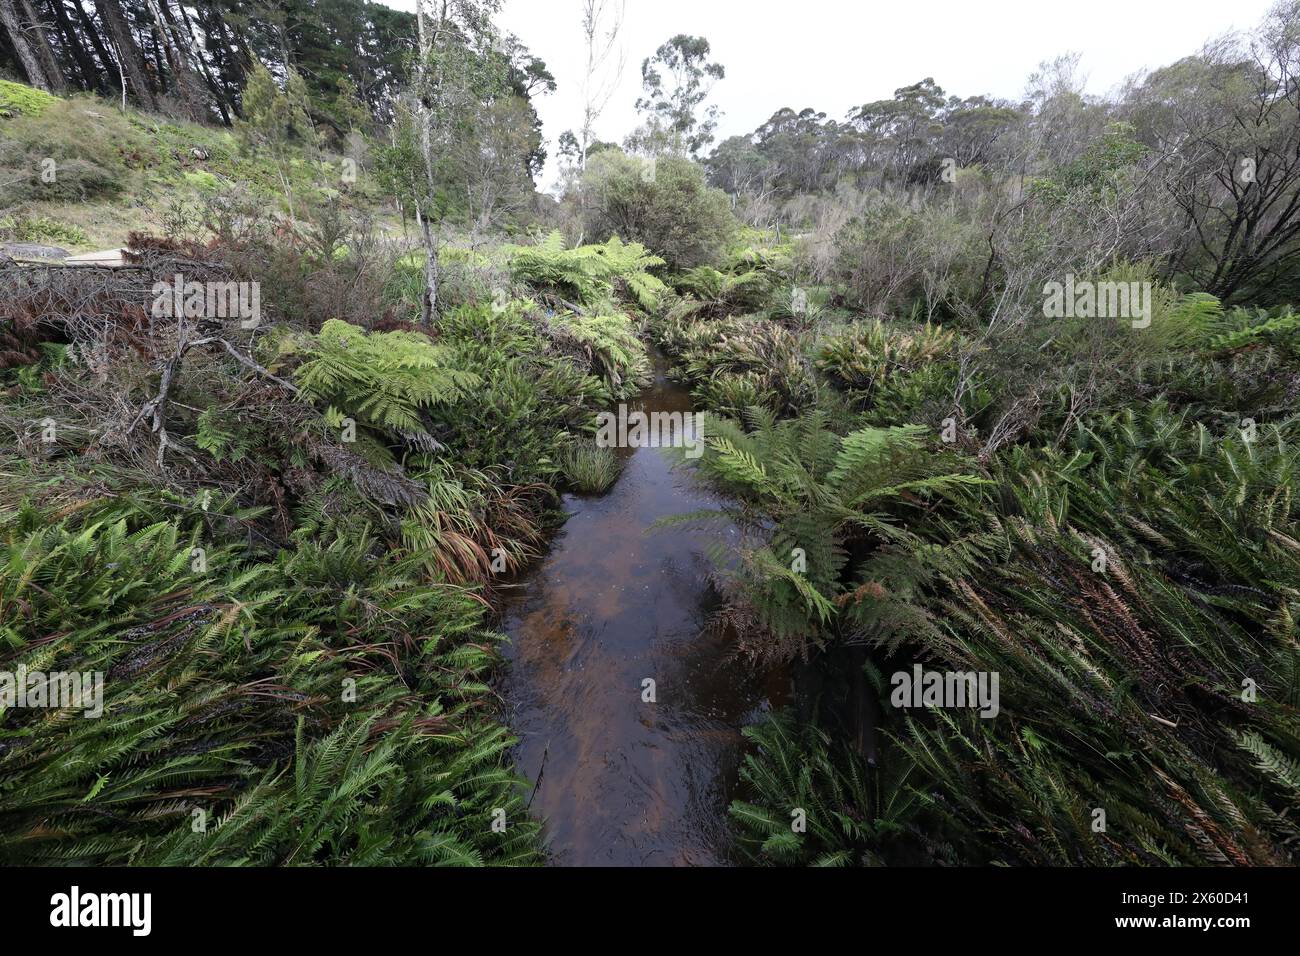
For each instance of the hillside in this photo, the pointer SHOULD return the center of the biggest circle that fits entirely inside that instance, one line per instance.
(119, 172)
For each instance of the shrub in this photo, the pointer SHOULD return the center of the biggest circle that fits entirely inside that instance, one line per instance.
(44, 229)
(893, 257)
(868, 356)
(609, 344)
(724, 294)
(770, 356)
(674, 211)
(85, 143)
(530, 394)
(386, 378)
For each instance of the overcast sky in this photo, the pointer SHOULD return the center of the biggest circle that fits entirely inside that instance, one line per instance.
(836, 54)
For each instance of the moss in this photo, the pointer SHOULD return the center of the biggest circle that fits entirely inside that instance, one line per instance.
(19, 99)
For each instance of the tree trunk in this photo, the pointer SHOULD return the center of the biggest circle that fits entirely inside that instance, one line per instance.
(31, 65)
(41, 45)
(92, 78)
(169, 40)
(156, 62)
(30, 44)
(429, 301)
(92, 33)
(128, 52)
(429, 307)
(196, 48)
(228, 56)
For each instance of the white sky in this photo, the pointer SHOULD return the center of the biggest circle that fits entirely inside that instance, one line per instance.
(833, 55)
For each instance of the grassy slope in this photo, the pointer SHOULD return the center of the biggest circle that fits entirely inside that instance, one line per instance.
(149, 161)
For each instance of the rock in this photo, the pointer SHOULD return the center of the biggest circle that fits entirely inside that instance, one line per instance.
(31, 250)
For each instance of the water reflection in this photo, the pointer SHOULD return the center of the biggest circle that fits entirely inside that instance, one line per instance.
(625, 782)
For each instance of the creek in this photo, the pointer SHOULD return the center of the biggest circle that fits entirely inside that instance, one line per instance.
(623, 779)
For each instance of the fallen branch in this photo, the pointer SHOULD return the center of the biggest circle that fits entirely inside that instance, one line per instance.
(155, 408)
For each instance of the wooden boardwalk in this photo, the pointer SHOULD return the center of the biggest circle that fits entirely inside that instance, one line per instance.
(49, 256)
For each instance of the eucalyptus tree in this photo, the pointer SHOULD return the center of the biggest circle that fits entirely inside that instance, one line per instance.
(1225, 125)
(677, 82)
(458, 72)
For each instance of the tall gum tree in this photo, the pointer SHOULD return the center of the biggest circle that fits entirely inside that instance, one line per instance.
(456, 74)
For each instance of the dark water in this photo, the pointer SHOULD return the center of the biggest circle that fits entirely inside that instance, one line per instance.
(625, 782)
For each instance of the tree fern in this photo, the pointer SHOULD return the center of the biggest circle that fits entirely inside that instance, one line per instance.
(589, 274)
(383, 378)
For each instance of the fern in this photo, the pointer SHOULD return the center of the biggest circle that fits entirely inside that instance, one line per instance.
(288, 710)
(384, 378)
(590, 274)
(810, 803)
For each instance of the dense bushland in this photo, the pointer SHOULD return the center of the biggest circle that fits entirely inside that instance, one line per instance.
(280, 542)
(1124, 558)
(278, 545)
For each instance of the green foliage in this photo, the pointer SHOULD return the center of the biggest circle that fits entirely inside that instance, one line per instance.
(869, 357)
(531, 392)
(220, 440)
(848, 813)
(386, 379)
(609, 341)
(760, 250)
(272, 118)
(1244, 329)
(18, 99)
(1099, 172)
(812, 500)
(589, 469)
(677, 81)
(315, 706)
(86, 146)
(591, 274)
(43, 229)
(726, 294)
(895, 257)
(668, 207)
(758, 362)
(465, 521)
(1124, 591)
(1128, 571)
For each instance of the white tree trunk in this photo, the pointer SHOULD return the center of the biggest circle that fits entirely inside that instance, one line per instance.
(428, 232)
